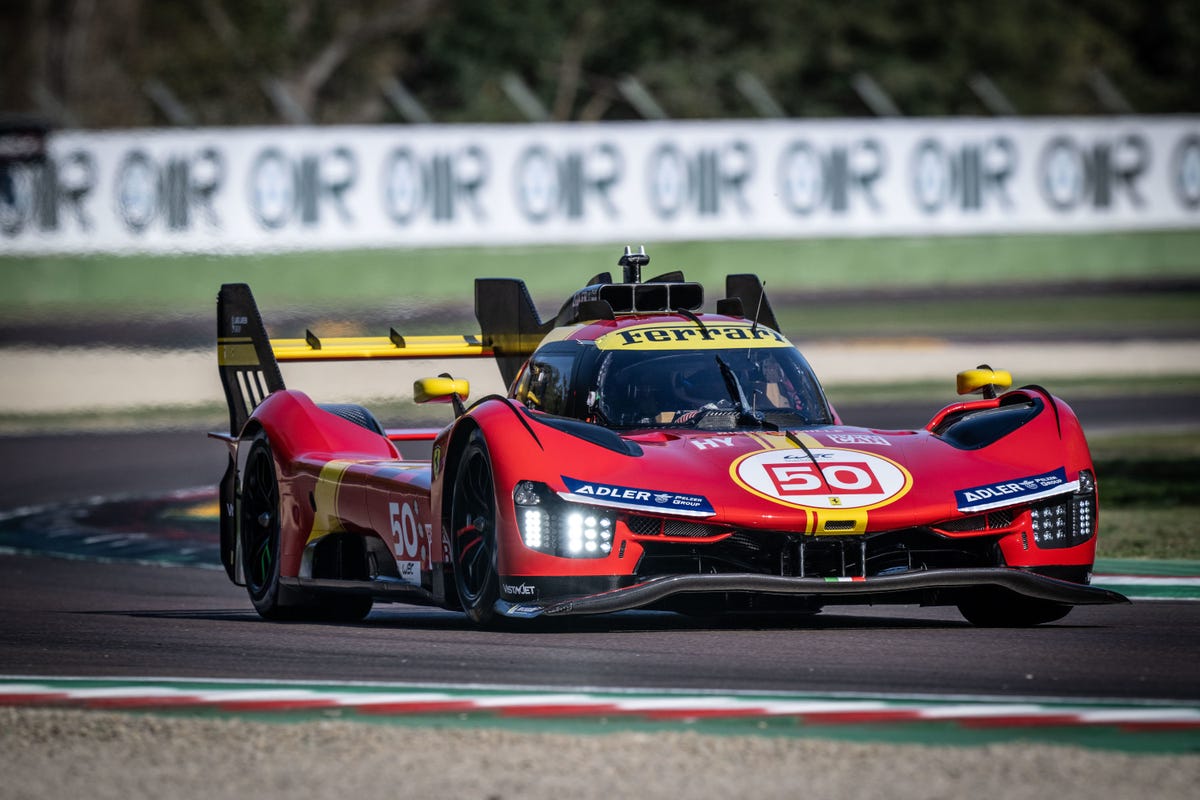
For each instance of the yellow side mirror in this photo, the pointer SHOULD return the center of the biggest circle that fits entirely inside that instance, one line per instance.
(440, 390)
(983, 380)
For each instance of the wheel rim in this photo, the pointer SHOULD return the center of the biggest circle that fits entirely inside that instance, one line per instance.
(260, 521)
(474, 526)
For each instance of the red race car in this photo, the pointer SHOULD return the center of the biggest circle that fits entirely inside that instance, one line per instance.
(647, 455)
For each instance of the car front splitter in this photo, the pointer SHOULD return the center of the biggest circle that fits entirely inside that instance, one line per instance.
(830, 590)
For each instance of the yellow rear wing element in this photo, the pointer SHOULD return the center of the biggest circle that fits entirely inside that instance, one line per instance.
(248, 360)
(394, 346)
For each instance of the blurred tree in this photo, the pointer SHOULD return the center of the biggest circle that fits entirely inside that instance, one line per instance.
(89, 62)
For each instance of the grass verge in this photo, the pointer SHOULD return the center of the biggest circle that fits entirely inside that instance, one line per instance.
(186, 284)
(1149, 495)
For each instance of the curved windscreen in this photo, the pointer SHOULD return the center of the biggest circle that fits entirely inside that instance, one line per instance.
(705, 387)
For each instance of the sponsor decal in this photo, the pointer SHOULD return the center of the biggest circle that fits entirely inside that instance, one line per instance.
(857, 438)
(1007, 493)
(300, 191)
(410, 540)
(523, 590)
(635, 498)
(971, 176)
(1101, 174)
(832, 478)
(709, 182)
(712, 442)
(441, 187)
(410, 571)
(836, 179)
(689, 335)
(568, 184)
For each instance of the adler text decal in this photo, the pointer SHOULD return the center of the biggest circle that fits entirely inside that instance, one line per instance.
(1021, 490)
(636, 498)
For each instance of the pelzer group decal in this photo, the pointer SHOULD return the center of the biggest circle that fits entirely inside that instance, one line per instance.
(822, 478)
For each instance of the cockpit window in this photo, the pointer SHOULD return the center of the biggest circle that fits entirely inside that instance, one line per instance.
(635, 380)
(685, 387)
(545, 384)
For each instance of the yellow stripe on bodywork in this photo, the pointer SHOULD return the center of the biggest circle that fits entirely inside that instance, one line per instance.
(236, 353)
(773, 440)
(822, 520)
(325, 518)
(816, 521)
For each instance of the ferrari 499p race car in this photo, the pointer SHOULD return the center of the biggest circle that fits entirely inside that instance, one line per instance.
(648, 454)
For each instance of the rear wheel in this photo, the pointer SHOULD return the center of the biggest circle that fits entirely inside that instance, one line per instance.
(473, 516)
(259, 524)
(1005, 610)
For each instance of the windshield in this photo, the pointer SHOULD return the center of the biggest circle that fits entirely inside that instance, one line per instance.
(686, 388)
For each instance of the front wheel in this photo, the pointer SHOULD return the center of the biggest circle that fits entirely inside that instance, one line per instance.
(473, 519)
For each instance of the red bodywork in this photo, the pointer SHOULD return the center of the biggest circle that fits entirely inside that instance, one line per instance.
(898, 506)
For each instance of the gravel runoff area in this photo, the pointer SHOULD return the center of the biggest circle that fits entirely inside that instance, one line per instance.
(53, 753)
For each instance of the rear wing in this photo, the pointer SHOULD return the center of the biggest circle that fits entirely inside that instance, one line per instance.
(248, 359)
(510, 329)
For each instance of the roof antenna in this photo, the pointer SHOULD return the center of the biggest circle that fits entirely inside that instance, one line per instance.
(633, 262)
(762, 292)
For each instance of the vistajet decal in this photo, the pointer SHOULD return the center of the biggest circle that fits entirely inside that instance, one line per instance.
(608, 494)
(1021, 490)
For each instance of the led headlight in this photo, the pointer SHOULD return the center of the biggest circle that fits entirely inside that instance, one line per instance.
(1068, 519)
(551, 525)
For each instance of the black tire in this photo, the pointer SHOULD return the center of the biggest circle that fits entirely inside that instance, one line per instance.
(258, 521)
(473, 541)
(1006, 610)
(259, 524)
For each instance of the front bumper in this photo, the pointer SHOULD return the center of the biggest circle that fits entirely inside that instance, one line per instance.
(883, 589)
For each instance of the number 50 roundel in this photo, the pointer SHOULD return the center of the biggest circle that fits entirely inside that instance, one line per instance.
(830, 479)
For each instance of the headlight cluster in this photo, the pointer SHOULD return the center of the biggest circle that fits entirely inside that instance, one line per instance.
(551, 525)
(1066, 520)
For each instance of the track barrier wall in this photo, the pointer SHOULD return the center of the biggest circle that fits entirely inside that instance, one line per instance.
(314, 188)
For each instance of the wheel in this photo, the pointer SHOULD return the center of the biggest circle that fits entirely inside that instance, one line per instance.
(473, 523)
(258, 519)
(259, 524)
(1006, 610)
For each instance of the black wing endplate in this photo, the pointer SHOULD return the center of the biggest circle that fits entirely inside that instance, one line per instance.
(249, 371)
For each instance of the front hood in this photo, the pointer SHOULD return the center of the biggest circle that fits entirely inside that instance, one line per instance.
(828, 480)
